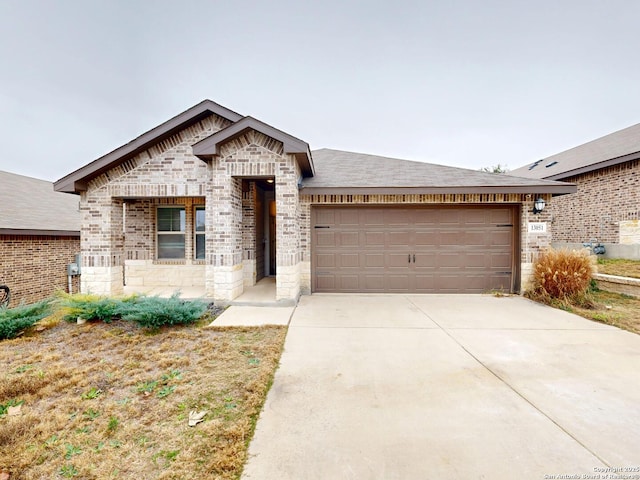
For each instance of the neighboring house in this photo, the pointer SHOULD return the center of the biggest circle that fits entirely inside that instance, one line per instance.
(606, 207)
(39, 237)
(215, 199)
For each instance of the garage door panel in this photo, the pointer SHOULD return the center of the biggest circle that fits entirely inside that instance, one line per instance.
(501, 261)
(373, 239)
(325, 282)
(396, 217)
(427, 250)
(373, 283)
(397, 283)
(398, 260)
(349, 282)
(373, 260)
(349, 217)
(325, 238)
(500, 216)
(425, 239)
(348, 260)
(398, 239)
(325, 260)
(349, 239)
(475, 217)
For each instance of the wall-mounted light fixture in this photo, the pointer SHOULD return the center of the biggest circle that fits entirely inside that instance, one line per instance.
(538, 205)
(270, 180)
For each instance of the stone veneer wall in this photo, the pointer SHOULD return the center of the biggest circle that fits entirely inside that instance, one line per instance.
(35, 266)
(605, 198)
(530, 244)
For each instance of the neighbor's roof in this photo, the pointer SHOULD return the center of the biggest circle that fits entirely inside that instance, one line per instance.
(29, 206)
(615, 148)
(339, 172)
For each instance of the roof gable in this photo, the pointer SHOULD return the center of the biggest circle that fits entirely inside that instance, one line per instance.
(613, 149)
(209, 147)
(77, 181)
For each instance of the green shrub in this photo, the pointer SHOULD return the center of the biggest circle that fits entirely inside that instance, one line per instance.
(154, 312)
(562, 274)
(150, 312)
(92, 307)
(13, 321)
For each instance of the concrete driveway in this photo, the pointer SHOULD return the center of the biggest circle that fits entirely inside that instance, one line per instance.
(448, 387)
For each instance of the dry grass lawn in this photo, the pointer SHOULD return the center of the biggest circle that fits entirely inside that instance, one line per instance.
(620, 267)
(101, 401)
(621, 311)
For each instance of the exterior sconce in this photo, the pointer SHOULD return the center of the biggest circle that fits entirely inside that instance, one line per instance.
(538, 205)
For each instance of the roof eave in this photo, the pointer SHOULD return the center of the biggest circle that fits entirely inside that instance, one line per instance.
(595, 166)
(534, 189)
(38, 232)
(77, 181)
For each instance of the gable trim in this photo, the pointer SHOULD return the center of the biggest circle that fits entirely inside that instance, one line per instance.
(77, 181)
(209, 147)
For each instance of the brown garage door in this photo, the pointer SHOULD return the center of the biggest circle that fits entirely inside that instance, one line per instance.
(422, 250)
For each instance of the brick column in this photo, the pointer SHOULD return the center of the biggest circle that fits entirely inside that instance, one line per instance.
(102, 244)
(288, 254)
(224, 280)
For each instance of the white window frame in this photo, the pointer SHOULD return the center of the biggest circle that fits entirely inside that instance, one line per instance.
(168, 233)
(196, 232)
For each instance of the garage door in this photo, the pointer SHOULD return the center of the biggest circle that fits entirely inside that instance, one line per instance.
(417, 250)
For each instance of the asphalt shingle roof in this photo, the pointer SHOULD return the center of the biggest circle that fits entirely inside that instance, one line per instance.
(31, 204)
(339, 169)
(593, 155)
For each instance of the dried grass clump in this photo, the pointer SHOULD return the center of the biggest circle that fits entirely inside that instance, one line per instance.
(562, 275)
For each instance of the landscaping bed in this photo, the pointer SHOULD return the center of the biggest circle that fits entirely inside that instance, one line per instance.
(113, 400)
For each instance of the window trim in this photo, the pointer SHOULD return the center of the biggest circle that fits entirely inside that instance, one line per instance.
(196, 232)
(169, 233)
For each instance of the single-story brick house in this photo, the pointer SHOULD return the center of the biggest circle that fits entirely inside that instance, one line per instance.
(220, 200)
(606, 207)
(39, 237)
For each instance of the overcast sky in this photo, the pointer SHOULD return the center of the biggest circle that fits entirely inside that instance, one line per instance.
(467, 83)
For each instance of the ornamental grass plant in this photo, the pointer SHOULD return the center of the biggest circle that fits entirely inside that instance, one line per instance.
(562, 275)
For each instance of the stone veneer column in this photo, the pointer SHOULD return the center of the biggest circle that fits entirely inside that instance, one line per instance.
(102, 244)
(224, 280)
(288, 254)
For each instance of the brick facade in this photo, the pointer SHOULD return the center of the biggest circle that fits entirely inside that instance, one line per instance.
(605, 198)
(119, 208)
(119, 225)
(35, 266)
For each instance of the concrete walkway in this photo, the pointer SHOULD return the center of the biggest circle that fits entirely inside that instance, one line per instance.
(448, 387)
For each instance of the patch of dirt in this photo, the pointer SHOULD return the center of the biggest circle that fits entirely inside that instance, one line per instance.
(113, 400)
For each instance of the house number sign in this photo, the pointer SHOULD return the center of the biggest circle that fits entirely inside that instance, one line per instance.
(537, 227)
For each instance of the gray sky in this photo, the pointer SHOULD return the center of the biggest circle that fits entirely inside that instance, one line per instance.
(466, 83)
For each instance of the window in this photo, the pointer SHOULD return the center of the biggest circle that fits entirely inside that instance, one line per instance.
(199, 233)
(171, 228)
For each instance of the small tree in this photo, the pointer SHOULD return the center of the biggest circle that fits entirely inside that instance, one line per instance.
(499, 168)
